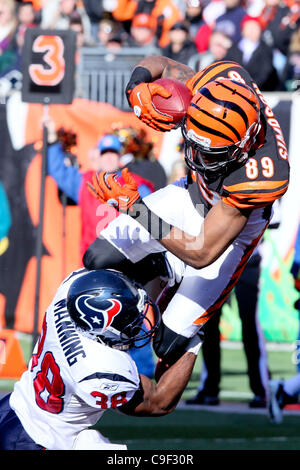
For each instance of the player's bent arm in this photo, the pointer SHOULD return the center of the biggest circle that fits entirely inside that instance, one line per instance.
(161, 398)
(162, 67)
(153, 67)
(221, 226)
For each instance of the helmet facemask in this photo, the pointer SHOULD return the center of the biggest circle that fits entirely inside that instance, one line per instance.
(108, 307)
(136, 333)
(220, 127)
(215, 161)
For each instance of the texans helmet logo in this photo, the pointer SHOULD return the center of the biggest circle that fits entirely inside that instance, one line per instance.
(95, 317)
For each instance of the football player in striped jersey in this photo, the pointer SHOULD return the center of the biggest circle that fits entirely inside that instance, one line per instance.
(212, 220)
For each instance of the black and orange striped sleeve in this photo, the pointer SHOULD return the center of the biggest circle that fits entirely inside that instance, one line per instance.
(254, 194)
(246, 188)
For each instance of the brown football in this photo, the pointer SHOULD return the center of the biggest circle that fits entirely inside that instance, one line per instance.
(177, 104)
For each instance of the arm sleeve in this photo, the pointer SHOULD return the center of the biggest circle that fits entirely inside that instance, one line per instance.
(68, 178)
(251, 194)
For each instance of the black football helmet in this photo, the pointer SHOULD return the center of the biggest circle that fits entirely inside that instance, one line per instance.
(221, 126)
(108, 306)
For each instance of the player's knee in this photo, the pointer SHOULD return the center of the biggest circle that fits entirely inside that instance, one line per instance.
(168, 345)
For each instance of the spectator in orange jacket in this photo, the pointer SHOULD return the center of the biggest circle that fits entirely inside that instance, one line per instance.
(165, 12)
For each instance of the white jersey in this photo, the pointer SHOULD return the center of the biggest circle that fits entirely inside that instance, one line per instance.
(202, 291)
(71, 379)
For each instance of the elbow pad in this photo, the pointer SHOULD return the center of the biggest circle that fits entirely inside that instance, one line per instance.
(103, 255)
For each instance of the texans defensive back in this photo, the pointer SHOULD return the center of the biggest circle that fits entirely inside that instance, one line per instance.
(208, 224)
(81, 367)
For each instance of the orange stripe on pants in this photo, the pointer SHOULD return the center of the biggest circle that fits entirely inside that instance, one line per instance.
(232, 282)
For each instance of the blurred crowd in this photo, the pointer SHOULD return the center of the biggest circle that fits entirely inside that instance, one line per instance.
(262, 35)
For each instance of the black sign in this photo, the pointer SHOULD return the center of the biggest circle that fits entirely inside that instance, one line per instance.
(48, 66)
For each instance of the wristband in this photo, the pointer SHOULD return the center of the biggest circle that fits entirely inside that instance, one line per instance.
(195, 344)
(139, 75)
(154, 224)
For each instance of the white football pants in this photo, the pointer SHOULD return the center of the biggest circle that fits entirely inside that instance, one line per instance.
(201, 291)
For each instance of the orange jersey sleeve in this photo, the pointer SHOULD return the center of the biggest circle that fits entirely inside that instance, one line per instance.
(251, 195)
(263, 179)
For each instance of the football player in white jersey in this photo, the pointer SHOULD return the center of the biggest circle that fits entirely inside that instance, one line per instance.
(80, 367)
(212, 220)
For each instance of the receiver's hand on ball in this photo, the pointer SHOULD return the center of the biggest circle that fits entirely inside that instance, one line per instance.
(140, 99)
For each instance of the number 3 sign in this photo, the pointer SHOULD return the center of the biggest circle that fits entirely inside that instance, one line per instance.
(48, 66)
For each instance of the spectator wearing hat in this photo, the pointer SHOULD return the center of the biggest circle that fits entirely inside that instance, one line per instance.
(181, 47)
(194, 15)
(110, 31)
(62, 167)
(164, 12)
(138, 154)
(143, 31)
(251, 50)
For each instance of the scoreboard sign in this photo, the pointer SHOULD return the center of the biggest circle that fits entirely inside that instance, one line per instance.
(48, 66)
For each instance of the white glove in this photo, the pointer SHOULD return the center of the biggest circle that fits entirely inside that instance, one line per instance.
(176, 269)
(195, 343)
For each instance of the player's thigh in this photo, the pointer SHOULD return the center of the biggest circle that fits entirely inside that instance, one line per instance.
(201, 290)
(12, 434)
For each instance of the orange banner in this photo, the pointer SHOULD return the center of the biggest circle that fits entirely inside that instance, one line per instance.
(89, 120)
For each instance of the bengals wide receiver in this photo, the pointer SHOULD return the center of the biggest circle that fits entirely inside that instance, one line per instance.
(206, 225)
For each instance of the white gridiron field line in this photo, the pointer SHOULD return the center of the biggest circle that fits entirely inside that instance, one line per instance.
(219, 440)
(270, 345)
(233, 408)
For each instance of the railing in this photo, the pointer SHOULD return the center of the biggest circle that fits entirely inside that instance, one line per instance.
(103, 75)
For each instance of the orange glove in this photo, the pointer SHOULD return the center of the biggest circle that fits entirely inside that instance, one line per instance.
(106, 188)
(140, 98)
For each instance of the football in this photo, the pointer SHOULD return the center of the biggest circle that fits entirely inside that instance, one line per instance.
(177, 104)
